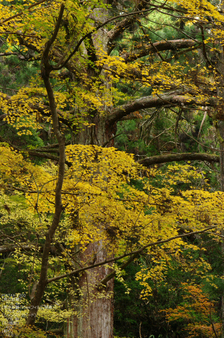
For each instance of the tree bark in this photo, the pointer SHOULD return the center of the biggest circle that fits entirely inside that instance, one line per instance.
(95, 307)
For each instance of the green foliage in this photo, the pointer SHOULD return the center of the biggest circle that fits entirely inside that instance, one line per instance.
(128, 138)
(15, 73)
(129, 308)
(10, 275)
(31, 141)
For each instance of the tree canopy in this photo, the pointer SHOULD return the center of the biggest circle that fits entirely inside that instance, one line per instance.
(76, 211)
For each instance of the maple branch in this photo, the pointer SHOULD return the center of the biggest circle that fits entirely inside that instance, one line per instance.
(133, 255)
(21, 13)
(60, 65)
(148, 161)
(37, 152)
(174, 98)
(136, 253)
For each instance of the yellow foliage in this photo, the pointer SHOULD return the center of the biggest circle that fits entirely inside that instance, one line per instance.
(102, 204)
(104, 196)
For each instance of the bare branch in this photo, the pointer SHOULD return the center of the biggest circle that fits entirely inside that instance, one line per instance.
(148, 161)
(170, 99)
(158, 47)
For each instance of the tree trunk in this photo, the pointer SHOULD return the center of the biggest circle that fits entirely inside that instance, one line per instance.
(94, 303)
(221, 140)
(100, 133)
(221, 135)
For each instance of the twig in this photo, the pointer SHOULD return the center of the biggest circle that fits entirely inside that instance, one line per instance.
(133, 255)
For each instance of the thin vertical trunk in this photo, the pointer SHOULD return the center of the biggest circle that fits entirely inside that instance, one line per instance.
(39, 288)
(221, 139)
(221, 134)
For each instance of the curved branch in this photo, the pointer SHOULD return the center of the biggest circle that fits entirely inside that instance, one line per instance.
(62, 64)
(120, 27)
(170, 99)
(179, 157)
(158, 47)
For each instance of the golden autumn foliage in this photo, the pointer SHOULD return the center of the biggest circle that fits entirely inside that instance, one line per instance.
(102, 203)
(28, 26)
(93, 194)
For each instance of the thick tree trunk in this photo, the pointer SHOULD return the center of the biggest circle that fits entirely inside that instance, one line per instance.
(101, 132)
(94, 303)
